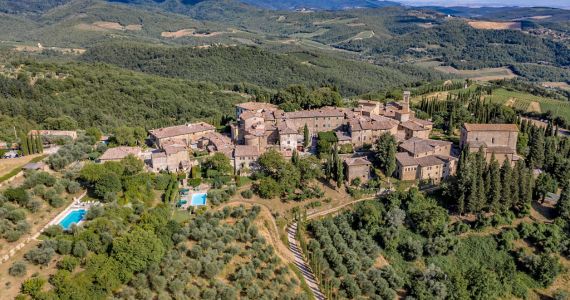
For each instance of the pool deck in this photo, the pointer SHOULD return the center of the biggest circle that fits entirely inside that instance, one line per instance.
(188, 198)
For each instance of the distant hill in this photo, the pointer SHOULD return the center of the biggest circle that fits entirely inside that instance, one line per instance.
(321, 4)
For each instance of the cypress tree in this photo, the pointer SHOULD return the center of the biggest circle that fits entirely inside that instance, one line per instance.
(463, 183)
(494, 192)
(536, 152)
(295, 158)
(306, 136)
(506, 184)
(32, 144)
(24, 145)
(563, 205)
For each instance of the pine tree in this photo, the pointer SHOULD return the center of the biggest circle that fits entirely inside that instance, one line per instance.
(506, 183)
(494, 191)
(306, 137)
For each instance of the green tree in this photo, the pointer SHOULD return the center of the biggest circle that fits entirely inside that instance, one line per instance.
(94, 132)
(536, 152)
(544, 184)
(386, 153)
(563, 205)
(108, 186)
(132, 165)
(24, 145)
(506, 184)
(218, 162)
(137, 250)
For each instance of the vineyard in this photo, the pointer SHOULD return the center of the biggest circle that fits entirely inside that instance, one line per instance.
(528, 102)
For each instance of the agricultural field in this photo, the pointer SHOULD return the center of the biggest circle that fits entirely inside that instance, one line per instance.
(8, 165)
(531, 103)
(495, 25)
(559, 85)
(486, 74)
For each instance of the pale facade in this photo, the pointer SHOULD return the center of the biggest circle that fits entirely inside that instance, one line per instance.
(498, 139)
(187, 134)
(357, 167)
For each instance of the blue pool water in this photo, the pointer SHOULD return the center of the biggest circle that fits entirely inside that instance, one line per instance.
(198, 199)
(73, 217)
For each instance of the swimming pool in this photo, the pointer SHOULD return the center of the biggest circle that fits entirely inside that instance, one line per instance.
(198, 199)
(73, 217)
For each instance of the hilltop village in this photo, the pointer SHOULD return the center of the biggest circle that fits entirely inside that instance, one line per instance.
(263, 126)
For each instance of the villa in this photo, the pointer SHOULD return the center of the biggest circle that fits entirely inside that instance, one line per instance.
(187, 134)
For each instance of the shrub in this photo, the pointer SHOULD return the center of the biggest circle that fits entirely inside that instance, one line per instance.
(73, 187)
(247, 194)
(40, 256)
(195, 182)
(68, 263)
(18, 269)
(57, 201)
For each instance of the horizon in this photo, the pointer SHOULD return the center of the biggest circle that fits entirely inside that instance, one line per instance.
(564, 4)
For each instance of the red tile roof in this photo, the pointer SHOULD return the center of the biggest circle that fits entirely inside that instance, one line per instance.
(174, 131)
(491, 127)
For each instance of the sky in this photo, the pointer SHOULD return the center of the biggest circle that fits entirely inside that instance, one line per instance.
(477, 3)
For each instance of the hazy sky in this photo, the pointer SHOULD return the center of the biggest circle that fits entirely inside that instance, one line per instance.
(550, 3)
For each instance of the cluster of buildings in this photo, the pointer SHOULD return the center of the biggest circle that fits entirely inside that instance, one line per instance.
(263, 126)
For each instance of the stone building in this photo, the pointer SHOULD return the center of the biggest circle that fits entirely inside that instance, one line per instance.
(432, 167)
(425, 159)
(417, 147)
(172, 158)
(187, 134)
(498, 139)
(367, 130)
(357, 167)
(245, 159)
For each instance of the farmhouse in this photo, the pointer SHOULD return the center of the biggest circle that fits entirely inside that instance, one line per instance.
(497, 139)
(432, 168)
(173, 158)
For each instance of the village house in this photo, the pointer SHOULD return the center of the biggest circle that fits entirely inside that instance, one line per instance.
(187, 134)
(245, 159)
(118, 153)
(357, 167)
(417, 147)
(497, 139)
(367, 130)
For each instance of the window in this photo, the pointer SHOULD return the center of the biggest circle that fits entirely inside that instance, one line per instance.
(493, 140)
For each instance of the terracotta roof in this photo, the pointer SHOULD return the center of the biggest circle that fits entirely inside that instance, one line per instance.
(284, 128)
(413, 125)
(322, 112)
(373, 123)
(407, 160)
(119, 153)
(242, 150)
(417, 145)
(173, 131)
(257, 106)
(173, 149)
(219, 140)
(357, 161)
(491, 127)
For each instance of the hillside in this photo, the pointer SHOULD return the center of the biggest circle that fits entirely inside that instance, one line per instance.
(107, 97)
(257, 66)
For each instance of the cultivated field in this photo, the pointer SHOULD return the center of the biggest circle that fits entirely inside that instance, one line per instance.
(528, 102)
(308, 35)
(486, 74)
(495, 25)
(104, 26)
(189, 32)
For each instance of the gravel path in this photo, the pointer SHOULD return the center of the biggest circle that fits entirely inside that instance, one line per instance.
(302, 264)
